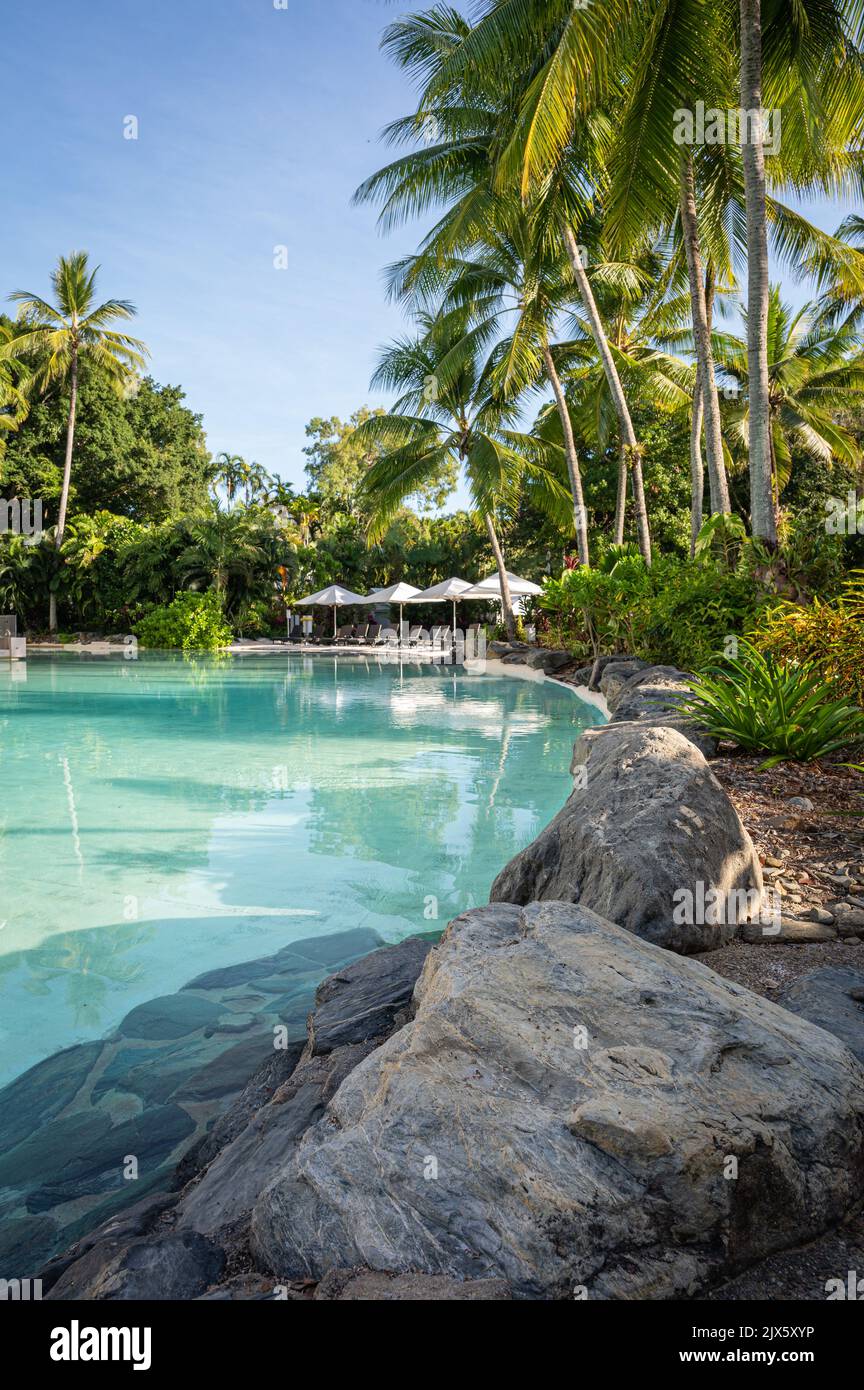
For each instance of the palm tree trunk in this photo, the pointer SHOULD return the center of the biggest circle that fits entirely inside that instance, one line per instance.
(580, 519)
(506, 600)
(697, 472)
(621, 495)
(67, 480)
(753, 155)
(702, 340)
(625, 424)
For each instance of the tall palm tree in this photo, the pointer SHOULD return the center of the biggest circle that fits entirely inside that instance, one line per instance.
(256, 481)
(59, 338)
(447, 413)
(577, 62)
(229, 473)
(513, 282)
(646, 317)
(815, 374)
(550, 62)
(471, 95)
(762, 497)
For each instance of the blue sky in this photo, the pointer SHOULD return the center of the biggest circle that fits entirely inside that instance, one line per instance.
(255, 126)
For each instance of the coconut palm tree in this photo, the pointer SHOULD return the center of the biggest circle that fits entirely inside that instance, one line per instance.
(513, 283)
(229, 473)
(647, 314)
(471, 107)
(568, 64)
(815, 373)
(59, 338)
(448, 414)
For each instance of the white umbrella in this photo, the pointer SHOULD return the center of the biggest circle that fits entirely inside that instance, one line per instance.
(332, 597)
(520, 588)
(449, 590)
(397, 593)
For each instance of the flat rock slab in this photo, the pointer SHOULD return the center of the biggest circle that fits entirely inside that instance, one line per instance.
(572, 1108)
(372, 1286)
(788, 932)
(355, 1009)
(651, 823)
(827, 998)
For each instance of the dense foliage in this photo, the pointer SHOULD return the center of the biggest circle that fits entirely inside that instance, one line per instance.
(193, 622)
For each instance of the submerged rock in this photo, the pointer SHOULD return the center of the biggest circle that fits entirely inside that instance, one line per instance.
(572, 1109)
(650, 826)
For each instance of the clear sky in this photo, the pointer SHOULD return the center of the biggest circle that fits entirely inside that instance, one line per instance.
(255, 125)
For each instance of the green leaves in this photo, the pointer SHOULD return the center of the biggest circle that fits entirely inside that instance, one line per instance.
(786, 710)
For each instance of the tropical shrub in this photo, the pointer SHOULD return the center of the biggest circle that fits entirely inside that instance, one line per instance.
(193, 622)
(681, 612)
(764, 706)
(691, 612)
(828, 636)
(595, 609)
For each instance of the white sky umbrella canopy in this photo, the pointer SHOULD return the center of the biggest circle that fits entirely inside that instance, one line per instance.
(397, 593)
(334, 596)
(517, 586)
(440, 593)
(448, 589)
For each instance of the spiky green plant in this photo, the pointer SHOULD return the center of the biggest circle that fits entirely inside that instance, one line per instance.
(790, 711)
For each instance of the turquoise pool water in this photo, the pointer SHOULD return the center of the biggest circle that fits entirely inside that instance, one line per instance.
(162, 817)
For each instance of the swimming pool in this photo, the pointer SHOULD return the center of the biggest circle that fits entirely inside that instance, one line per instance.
(166, 816)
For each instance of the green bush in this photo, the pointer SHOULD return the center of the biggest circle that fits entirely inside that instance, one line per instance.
(691, 610)
(193, 622)
(680, 612)
(828, 635)
(763, 706)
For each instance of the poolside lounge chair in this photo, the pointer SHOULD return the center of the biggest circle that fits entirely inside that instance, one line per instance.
(386, 637)
(359, 634)
(415, 635)
(344, 633)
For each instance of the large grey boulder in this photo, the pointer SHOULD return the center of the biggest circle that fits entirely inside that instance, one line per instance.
(573, 1109)
(651, 697)
(648, 836)
(615, 676)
